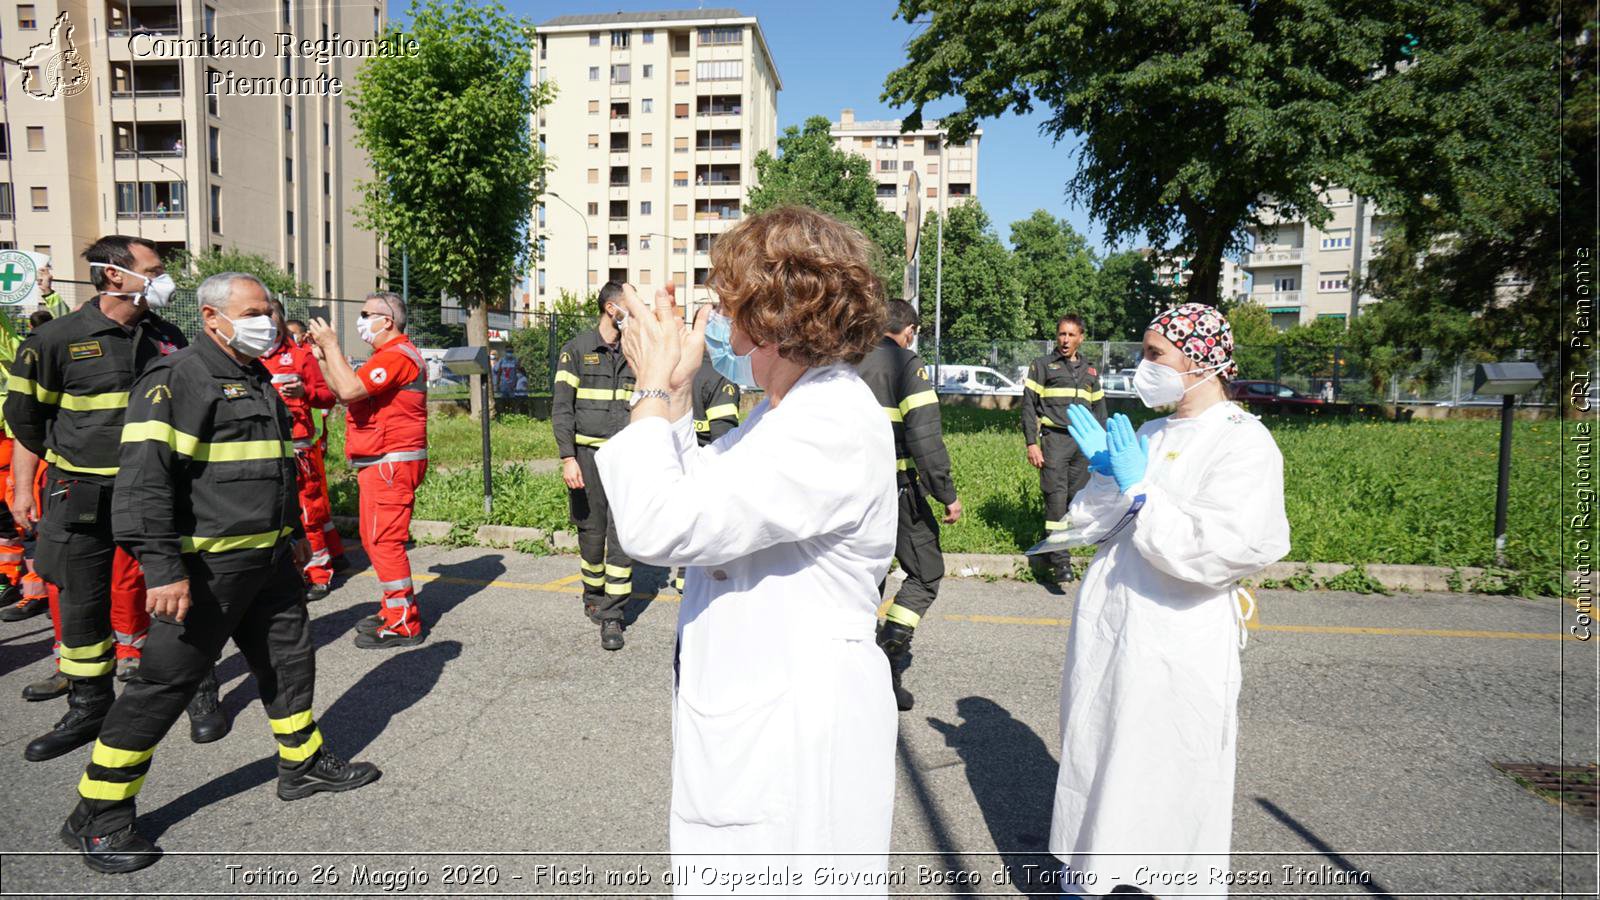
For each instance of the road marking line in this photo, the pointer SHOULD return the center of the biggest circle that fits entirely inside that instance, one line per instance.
(1008, 620)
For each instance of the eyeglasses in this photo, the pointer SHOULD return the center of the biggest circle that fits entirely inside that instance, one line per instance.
(365, 315)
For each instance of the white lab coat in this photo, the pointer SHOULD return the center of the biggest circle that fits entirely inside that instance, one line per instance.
(784, 720)
(1151, 681)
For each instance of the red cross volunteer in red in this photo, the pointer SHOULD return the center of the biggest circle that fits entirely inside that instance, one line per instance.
(386, 440)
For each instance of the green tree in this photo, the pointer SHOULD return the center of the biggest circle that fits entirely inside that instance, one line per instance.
(1128, 295)
(810, 171)
(423, 319)
(1056, 270)
(453, 160)
(189, 269)
(1189, 113)
(1255, 341)
(533, 346)
(983, 318)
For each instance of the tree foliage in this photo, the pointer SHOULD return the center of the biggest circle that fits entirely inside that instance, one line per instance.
(454, 164)
(1127, 295)
(1056, 271)
(982, 297)
(810, 171)
(189, 269)
(532, 346)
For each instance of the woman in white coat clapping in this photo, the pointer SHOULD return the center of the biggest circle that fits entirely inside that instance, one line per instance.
(783, 717)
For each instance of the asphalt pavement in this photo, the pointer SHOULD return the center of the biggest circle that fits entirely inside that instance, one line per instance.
(521, 758)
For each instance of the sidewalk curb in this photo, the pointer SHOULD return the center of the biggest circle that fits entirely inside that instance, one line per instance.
(1399, 578)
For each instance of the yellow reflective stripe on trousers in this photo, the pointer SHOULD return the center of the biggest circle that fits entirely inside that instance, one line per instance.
(584, 440)
(619, 571)
(305, 750)
(74, 669)
(567, 378)
(112, 758)
(202, 451)
(893, 412)
(291, 724)
(56, 459)
(619, 588)
(262, 540)
(91, 789)
(91, 651)
(591, 567)
(900, 614)
(917, 400)
(725, 411)
(86, 402)
(31, 388)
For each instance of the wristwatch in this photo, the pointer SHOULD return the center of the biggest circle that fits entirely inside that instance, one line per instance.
(642, 393)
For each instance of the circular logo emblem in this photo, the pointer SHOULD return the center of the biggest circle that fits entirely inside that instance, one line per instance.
(17, 275)
(379, 376)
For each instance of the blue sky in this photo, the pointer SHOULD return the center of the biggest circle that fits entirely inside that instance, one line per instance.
(833, 54)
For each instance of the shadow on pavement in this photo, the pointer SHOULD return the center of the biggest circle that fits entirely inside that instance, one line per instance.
(16, 651)
(1321, 846)
(1013, 778)
(649, 583)
(350, 725)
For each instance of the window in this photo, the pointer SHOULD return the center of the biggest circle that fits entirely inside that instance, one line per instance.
(594, 142)
(214, 148)
(216, 208)
(961, 165)
(288, 218)
(907, 165)
(886, 165)
(644, 208)
(288, 117)
(288, 168)
(680, 246)
(619, 40)
(8, 208)
(327, 184)
(619, 74)
(594, 73)
(327, 232)
(933, 193)
(644, 242)
(647, 139)
(888, 189)
(648, 37)
(680, 179)
(933, 168)
(644, 175)
(27, 17)
(680, 110)
(719, 70)
(680, 43)
(886, 143)
(5, 141)
(1329, 282)
(647, 105)
(718, 36)
(930, 145)
(1285, 283)
(594, 210)
(680, 212)
(211, 20)
(1338, 239)
(594, 38)
(680, 76)
(648, 71)
(594, 277)
(680, 145)
(594, 107)
(644, 276)
(324, 134)
(594, 176)
(35, 137)
(213, 100)
(327, 281)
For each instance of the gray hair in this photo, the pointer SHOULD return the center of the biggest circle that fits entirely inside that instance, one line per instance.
(397, 307)
(217, 290)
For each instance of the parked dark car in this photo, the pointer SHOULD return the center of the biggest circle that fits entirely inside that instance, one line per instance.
(1270, 396)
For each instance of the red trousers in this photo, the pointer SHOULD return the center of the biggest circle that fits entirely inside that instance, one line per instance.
(316, 514)
(388, 492)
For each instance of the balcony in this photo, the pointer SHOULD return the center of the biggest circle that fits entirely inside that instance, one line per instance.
(141, 80)
(125, 18)
(149, 140)
(1276, 298)
(1287, 256)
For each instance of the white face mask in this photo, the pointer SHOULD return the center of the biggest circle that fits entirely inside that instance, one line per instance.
(365, 330)
(1159, 385)
(252, 335)
(157, 291)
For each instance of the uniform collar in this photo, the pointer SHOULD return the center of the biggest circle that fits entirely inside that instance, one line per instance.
(596, 342)
(389, 343)
(1056, 352)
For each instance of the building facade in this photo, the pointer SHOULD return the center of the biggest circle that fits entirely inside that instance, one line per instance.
(947, 172)
(1173, 270)
(652, 139)
(1301, 273)
(128, 140)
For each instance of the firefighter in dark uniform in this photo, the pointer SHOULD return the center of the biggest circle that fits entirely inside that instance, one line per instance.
(897, 377)
(66, 399)
(1056, 381)
(206, 498)
(716, 412)
(589, 405)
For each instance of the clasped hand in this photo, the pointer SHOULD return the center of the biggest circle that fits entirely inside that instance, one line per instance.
(1115, 450)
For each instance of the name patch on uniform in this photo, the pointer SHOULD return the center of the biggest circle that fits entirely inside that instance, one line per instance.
(85, 350)
(1054, 365)
(234, 391)
(591, 359)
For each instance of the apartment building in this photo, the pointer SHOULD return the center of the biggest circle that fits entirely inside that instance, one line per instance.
(1174, 270)
(141, 148)
(948, 172)
(653, 136)
(1301, 273)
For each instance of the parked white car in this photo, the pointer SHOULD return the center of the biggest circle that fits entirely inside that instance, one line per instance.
(975, 380)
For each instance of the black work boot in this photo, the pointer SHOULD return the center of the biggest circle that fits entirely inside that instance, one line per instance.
(611, 634)
(17, 607)
(47, 688)
(384, 639)
(592, 611)
(121, 851)
(315, 592)
(207, 721)
(895, 640)
(87, 704)
(328, 773)
(127, 667)
(370, 624)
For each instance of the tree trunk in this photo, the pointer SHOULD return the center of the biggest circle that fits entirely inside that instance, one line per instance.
(1209, 232)
(478, 336)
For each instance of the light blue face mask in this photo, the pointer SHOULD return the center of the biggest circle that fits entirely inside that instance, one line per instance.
(719, 343)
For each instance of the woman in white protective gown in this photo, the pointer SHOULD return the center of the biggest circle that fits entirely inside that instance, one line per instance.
(784, 720)
(1149, 690)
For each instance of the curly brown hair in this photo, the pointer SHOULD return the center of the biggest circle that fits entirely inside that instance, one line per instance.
(801, 280)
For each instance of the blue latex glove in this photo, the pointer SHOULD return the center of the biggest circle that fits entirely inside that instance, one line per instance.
(1091, 437)
(1128, 452)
